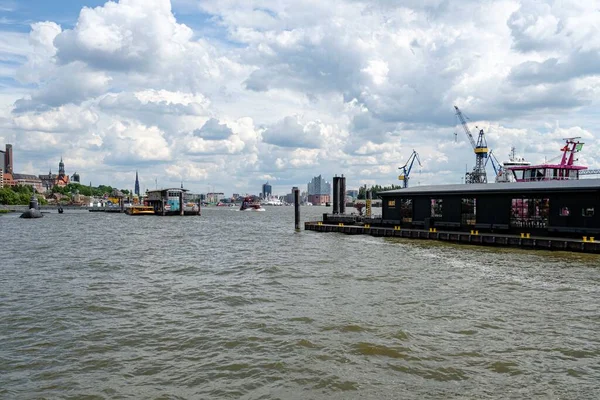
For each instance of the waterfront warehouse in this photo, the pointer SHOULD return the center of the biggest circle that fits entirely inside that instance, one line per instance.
(545, 208)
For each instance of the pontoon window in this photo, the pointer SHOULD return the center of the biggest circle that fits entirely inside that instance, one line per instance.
(406, 210)
(436, 208)
(391, 203)
(469, 211)
(587, 212)
(564, 212)
(529, 213)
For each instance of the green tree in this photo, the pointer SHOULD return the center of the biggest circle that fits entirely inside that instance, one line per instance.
(375, 189)
(8, 196)
(22, 189)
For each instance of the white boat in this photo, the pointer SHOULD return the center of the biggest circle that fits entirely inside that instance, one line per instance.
(271, 202)
(513, 161)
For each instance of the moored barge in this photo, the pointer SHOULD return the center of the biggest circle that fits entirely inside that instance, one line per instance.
(543, 208)
(555, 214)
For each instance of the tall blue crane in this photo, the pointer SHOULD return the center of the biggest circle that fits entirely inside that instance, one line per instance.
(406, 168)
(495, 163)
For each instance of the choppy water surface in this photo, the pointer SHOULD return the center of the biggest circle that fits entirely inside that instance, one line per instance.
(238, 305)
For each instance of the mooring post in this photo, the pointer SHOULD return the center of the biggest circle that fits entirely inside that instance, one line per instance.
(336, 195)
(297, 209)
(342, 194)
(368, 204)
(181, 203)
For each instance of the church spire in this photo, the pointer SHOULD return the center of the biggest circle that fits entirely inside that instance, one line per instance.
(137, 184)
(61, 167)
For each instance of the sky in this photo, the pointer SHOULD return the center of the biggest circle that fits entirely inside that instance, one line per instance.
(225, 95)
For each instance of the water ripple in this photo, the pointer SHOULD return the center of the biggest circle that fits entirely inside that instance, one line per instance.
(239, 306)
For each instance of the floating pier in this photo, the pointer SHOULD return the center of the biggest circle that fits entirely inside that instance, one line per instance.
(349, 226)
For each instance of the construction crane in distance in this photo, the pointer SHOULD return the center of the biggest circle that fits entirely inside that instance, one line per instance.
(589, 172)
(406, 168)
(498, 170)
(478, 175)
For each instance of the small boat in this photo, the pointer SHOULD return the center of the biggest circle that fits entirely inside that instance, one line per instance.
(140, 210)
(60, 210)
(249, 204)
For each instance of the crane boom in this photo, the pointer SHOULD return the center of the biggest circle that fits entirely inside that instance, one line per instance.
(478, 174)
(496, 165)
(406, 168)
(460, 116)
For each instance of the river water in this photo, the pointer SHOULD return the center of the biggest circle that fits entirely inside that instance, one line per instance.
(236, 305)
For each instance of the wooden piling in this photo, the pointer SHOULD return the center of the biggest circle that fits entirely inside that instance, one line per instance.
(181, 203)
(342, 195)
(297, 209)
(336, 195)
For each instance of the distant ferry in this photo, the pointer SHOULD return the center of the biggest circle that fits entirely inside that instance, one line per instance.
(248, 204)
(272, 202)
(139, 210)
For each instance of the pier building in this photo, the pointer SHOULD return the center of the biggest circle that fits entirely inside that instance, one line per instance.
(171, 201)
(554, 214)
(540, 208)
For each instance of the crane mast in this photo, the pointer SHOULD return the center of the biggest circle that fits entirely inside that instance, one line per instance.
(406, 168)
(478, 174)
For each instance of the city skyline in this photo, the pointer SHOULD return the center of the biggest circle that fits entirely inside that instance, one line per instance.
(190, 91)
(45, 182)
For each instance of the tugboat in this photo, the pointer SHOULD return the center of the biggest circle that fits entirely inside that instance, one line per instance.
(249, 204)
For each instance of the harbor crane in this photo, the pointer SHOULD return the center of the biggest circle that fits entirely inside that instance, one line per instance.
(478, 175)
(406, 168)
(498, 170)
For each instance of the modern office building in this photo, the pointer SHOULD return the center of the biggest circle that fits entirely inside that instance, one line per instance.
(6, 164)
(267, 190)
(8, 160)
(319, 191)
(289, 198)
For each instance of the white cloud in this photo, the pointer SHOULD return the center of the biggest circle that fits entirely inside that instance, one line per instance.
(297, 88)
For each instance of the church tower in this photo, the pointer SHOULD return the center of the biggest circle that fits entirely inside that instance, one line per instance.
(61, 168)
(137, 184)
